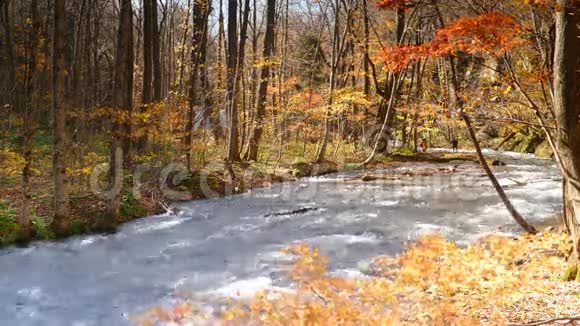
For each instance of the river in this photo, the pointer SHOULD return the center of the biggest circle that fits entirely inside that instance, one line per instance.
(230, 247)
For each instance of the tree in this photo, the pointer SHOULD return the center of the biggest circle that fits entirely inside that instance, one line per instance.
(336, 54)
(264, 80)
(200, 22)
(122, 105)
(61, 221)
(490, 33)
(567, 107)
(233, 153)
(156, 55)
(147, 52)
(31, 85)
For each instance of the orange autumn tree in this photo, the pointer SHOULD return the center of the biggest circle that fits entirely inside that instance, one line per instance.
(491, 34)
(396, 4)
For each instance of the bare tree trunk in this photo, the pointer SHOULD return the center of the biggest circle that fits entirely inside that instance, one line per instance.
(502, 195)
(24, 220)
(264, 80)
(156, 55)
(147, 93)
(367, 84)
(61, 219)
(233, 153)
(334, 60)
(221, 46)
(245, 16)
(9, 49)
(200, 21)
(183, 43)
(147, 53)
(123, 104)
(567, 107)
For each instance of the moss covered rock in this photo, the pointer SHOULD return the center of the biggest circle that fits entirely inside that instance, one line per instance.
(543, 150)
(302, 169)
(528, 143)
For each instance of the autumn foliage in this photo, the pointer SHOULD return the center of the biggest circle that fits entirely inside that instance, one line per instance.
(433, 282)
(396, 4)
(491, 33)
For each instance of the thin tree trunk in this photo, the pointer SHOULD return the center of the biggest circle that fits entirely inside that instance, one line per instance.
(122, 103)
(9, 48)
(24, 220)
(498, 188)
(183, 43)
(200, 21)
(239, 72)
(233, 153)
(367, 79)
(156, 54)
(334, 60)
(264, 80)
(147, 53)
(61, 220)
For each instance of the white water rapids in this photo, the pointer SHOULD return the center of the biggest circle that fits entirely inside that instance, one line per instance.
(230, 247)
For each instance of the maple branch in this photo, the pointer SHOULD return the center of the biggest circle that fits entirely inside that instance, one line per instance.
(517, 121)
(320, 296)
(560, 320)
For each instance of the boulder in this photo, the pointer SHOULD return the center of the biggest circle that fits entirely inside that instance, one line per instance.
(303, 169)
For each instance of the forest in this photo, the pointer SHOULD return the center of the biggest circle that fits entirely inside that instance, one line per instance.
(130, 127)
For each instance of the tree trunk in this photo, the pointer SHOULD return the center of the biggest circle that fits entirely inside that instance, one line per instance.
(502, 195)
(122, 104)
(9, 53)
(366, 45)
(156, 54)
(183, 46)
(24, 220)
(239, 72)
(334, 60)
(233, 153)
(200, 21)
(567, 107)
(61, 220)
(264, 80)
(147, 93)
(147, 53)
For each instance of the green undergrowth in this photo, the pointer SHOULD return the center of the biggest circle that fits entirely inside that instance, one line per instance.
(8, 226)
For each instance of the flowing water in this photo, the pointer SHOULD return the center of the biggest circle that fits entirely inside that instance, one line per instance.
(230, 247)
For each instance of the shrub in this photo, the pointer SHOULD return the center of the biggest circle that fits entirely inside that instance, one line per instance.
(8, 226)
(42, 228)
(78, 227)
(130, 207)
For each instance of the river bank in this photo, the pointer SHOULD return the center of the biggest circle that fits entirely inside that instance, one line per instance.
(87, 208)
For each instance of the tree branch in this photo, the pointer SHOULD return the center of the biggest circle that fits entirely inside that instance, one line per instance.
(560, 320)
